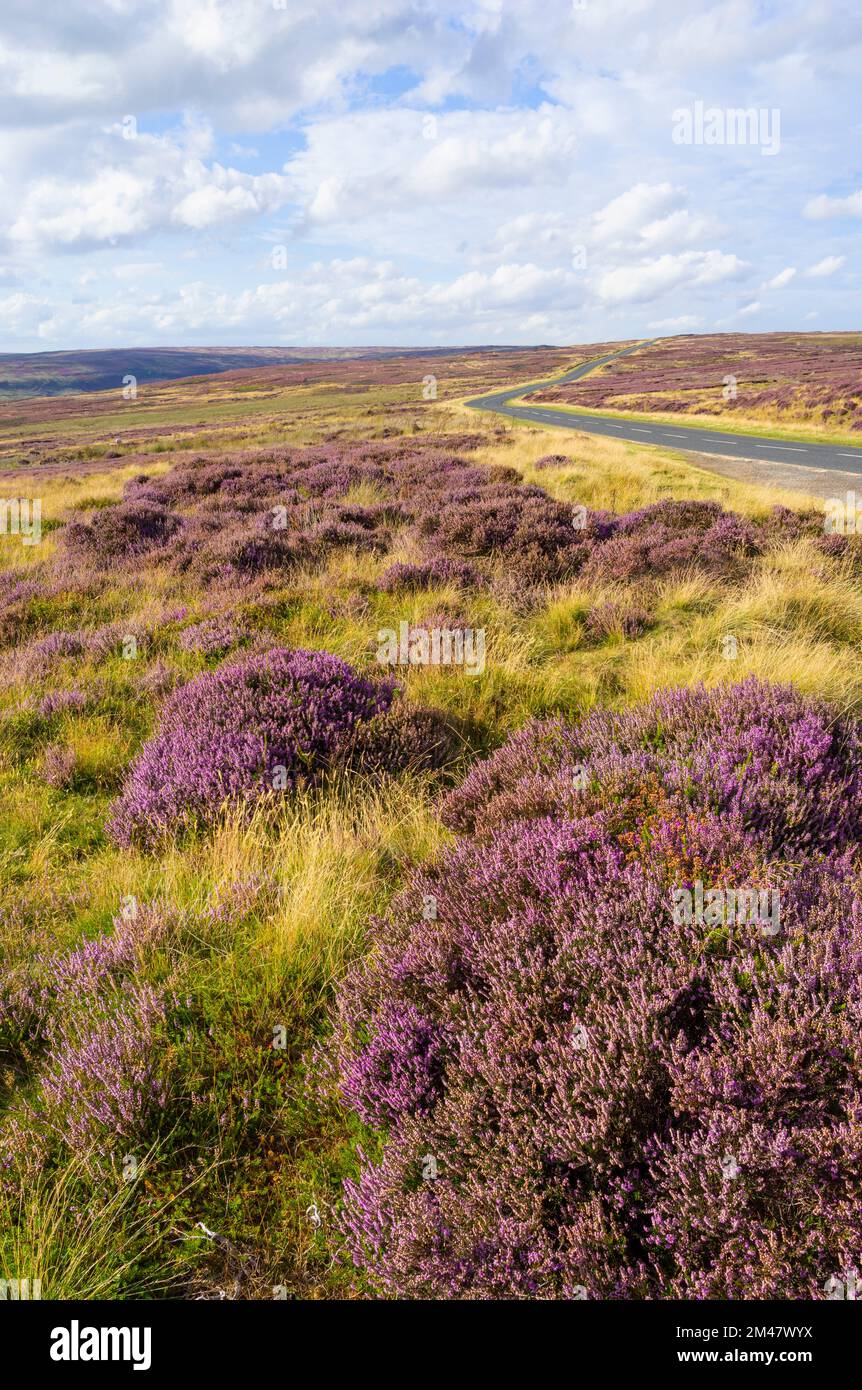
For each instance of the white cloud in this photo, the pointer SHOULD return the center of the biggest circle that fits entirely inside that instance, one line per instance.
(827, 266)
(537, 235)
(131, 188)
(652, 280)
(511, 285)
(823, 206)
(780, 280)
(546, 134)
(680, 228)
(681, 324)
(133, 270)
(363, 167)
(366, 299)
(22, 313)
(643, 205)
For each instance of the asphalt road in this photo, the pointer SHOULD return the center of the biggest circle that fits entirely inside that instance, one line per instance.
(842, 457)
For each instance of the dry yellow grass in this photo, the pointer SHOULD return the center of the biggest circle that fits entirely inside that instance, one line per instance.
(618, 476)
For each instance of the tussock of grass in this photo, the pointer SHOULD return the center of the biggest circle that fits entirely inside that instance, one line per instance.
(86, 1242)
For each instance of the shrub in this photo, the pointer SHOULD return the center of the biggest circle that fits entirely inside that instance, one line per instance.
(440, 570)
(786, 764)
(102, 1082)
(212, 637)
(575, 1092)
(274, 720)
(99, 1025)
(552, 461)
(120, 533)
(405, 737)
(59, 765)
(673, 535)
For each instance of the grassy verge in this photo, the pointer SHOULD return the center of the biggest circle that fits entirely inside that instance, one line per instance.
(798, 432)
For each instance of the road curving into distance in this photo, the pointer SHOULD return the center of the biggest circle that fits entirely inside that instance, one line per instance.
(844, 458)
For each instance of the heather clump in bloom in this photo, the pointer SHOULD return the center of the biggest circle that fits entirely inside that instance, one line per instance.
(580, 1091)
(273, 722)
(102, 1082)
(59, 765)
(519, 524)
(62, 702)
(439, 570)
(552, 461)
(406, 737)
(99, 1026)
(157, 680)
(655, 540)
(786, 765)
(120, 533)
(15, 595)
(782, 524)
(260, 514)
(32, 998)
(211, 637)
(38, 658)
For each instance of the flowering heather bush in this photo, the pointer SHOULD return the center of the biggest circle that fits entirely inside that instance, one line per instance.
(56, 647)
(61, 702)
(337, 532)
(259, 514)
(59, 765)
(157, 680)
(270, 510)
(552, 461)
(673, 535)
(440, 570)
(787, 766)
(101, 1081)
(36, 995)
(121, 533)
(278, 719)
(405, 737)
(37, 659)
(212, 637)
(102, 1084)
(523, 526)
(575, 1090)
(782, 524)
(16, 588)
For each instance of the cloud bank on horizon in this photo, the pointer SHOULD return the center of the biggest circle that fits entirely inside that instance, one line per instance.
(399, 172)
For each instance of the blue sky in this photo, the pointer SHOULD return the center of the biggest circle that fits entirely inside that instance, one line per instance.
(396, 172)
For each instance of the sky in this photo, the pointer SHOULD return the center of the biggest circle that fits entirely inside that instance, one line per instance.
(396, 172)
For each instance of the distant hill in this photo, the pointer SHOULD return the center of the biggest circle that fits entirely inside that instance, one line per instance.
(63, 373)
